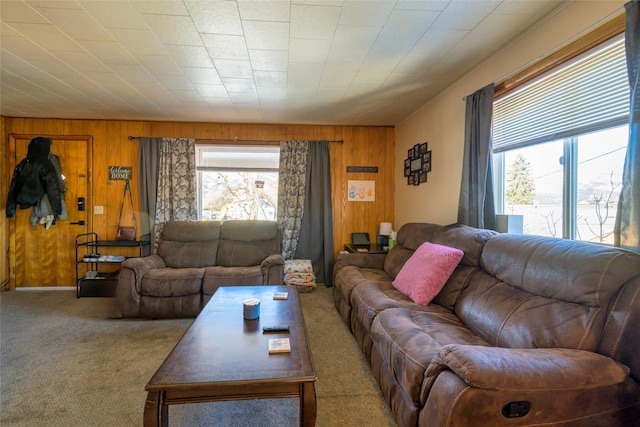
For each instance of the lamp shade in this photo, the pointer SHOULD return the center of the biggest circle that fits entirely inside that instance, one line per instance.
(385, 228)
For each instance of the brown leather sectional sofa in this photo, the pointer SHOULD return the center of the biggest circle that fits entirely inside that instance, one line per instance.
(195, 258)
(528, 330)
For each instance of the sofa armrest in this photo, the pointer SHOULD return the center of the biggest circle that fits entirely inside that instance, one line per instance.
(542, 369)
(476, 385)
(130, 281)
(273, 270)
(142, 265)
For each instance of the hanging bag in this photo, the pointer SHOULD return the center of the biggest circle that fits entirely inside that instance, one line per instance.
(127, 232)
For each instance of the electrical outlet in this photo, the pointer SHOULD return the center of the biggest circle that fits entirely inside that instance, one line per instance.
(98, 210)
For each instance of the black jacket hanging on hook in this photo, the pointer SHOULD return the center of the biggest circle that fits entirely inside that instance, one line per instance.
(34, 177)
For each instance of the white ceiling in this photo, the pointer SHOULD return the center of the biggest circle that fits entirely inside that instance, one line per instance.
(342, 62)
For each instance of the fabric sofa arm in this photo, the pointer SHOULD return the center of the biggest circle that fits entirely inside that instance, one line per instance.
(142, 265)
(130, 281)
(549, 369)
(273, 270)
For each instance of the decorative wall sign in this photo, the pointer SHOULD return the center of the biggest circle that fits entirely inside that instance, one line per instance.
(417, 164)
(121, 173)
(369, 169)
(361, 191)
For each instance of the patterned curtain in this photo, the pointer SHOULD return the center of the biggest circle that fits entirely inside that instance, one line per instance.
(291, 193)
(177, 193)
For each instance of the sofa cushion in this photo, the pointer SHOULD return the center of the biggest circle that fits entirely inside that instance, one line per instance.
(171, 282)
(407, 340)
(189, 244)
(544, 292)
(245, 243)
(426, 272)
(217, 276)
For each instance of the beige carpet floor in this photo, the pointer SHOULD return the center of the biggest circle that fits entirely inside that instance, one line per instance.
(65, 362)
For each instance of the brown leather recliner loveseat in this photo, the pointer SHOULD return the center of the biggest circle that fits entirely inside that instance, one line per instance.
(527, 330)
(195, 258)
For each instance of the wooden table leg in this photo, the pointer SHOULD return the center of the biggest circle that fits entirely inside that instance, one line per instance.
(156, 413)
(308, 405)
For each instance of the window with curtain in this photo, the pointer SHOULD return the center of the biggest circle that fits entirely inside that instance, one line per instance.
(559, 144)
(237, 182)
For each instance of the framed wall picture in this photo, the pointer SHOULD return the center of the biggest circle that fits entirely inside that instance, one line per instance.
(417, 164)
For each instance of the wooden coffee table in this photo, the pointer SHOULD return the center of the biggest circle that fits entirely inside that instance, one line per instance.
(222, 356)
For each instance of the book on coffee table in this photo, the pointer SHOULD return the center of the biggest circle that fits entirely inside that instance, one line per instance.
(281, 295)
(279, 345)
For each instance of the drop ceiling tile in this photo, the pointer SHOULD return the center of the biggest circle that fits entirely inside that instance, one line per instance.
(436, 42)
(23, 48)
(215, 17)
(273, 79)
(18, 11)
(108, 52)
(76, 23)
(81, 61)
(207, 76)
(266, 35)
(173, 82)
(464, 15)
(314, 22)
(233, 68)
(125, 15)
(159, 65)
(171, 29)
(138, 41)
(309, 50)
(190, 56)
(216, 91)
(160, 7)
(234, 84)
(336, 81)
(131, 72)
(243, 97)
(366, 12)
(224, 46)
(273, 10)
(434, 5)
(46, 36)
(269, 60)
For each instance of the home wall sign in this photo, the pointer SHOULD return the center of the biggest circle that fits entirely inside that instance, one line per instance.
(120, 173)
(417, 164)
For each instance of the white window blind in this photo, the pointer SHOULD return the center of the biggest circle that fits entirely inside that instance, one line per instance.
(587, 94)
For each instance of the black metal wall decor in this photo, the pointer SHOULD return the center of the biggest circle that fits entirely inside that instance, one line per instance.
(417, 164)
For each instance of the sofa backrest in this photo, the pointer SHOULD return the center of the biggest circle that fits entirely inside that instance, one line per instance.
(189, 244)
(538, 292)
(469, 240)
(247, 243)
(409, 238)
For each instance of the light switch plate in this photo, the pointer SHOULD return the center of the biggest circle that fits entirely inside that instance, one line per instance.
(98, 210)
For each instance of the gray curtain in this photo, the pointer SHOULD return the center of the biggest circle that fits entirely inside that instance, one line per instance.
(148, 165)
(627, 227)
(476, 206)
(316, 232)
(292, 177)
(177, 193)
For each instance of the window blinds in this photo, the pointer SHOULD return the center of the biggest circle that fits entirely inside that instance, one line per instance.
(588, 94)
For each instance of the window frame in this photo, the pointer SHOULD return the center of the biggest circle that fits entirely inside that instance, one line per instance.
(599, 36)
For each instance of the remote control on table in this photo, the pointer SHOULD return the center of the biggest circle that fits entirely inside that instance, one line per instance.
(275, 329)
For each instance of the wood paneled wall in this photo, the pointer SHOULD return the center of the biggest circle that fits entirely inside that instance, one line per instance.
(5, 176)
(363, 146)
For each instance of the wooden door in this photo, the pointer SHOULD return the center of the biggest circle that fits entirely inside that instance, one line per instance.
(41, 256)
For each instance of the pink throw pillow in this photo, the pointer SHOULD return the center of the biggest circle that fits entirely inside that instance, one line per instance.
(426, 271)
